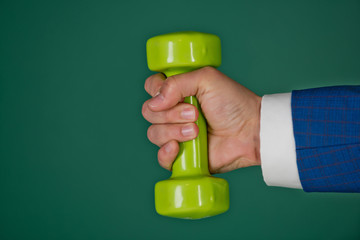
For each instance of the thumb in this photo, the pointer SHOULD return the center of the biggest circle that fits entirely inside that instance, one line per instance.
(176, 87)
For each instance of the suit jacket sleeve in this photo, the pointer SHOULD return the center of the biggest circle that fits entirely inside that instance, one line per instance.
(326, 124)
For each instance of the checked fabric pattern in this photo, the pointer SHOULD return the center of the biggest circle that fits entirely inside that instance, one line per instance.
(326, 125)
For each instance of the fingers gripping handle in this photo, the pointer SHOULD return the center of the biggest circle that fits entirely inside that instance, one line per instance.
(192, 159)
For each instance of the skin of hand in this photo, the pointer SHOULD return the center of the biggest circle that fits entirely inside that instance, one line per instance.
(231, 110)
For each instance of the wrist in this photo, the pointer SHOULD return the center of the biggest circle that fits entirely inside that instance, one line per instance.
(250, 135)
(257, 131)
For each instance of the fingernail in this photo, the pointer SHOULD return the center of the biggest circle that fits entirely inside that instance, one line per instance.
(188, 114)
(167, 147)
(187, 131)
(156, 101)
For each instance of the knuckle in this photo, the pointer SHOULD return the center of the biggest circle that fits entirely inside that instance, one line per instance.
(148, 83)
(147, 114)
(150, 133)
(161, 160)
(144, 110)
(209, 70)
(209, 75)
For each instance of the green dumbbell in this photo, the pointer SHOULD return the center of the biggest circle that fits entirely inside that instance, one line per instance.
(191, 192)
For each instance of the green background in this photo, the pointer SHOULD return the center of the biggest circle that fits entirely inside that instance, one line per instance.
(75, 162)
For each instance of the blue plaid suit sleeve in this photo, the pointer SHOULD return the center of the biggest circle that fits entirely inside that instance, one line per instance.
(326, 125)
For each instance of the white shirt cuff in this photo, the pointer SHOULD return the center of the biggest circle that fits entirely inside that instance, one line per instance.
(277, 143)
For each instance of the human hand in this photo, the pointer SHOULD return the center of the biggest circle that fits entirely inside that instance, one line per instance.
(231, 110)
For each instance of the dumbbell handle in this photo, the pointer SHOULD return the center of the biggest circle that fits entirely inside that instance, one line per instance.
(192, 159)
